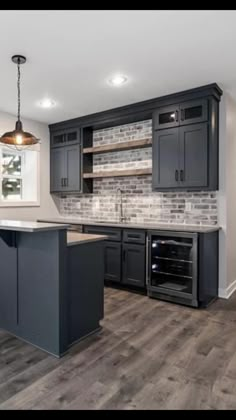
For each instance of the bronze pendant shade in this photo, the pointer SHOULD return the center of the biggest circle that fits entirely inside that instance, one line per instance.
(18, 137)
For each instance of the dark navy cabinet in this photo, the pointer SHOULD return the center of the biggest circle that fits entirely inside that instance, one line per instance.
(65, 137)
(112, 261)
(134, 265)
(180, 157)
(193, 155)
(185, 146)
(165, 157)
(189, 112)
(65, 168)
(124, 255)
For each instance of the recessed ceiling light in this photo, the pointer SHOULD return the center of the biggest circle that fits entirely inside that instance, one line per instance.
(47, 103)
(118, 80)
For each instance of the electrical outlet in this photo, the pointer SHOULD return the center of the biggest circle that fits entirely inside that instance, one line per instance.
(78, 205)
(188, 206)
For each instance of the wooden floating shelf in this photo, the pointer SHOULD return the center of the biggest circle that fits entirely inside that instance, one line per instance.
(111, 174)
(136, 144)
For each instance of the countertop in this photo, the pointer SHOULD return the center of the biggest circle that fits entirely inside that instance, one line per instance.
(27, 226)
(75, 238)
(171, 227)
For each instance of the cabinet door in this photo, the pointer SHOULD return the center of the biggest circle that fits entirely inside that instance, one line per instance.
(194, 155)
(64, 137)
(57, 138)
(165, 159)
(57, 169)
(72, 136)
(134, 265)
(72, 168)
(166, 117)
(192, 112)
(112, 261)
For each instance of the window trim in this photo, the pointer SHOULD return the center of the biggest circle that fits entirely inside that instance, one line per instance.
(21, 203)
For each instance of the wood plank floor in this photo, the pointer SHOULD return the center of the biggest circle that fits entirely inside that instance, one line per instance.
(149, 355)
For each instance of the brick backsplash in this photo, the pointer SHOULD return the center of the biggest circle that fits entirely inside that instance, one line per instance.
(140, 204)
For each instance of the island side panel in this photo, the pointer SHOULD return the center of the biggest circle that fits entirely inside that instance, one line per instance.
(86, 288)
(41, 282)
(8, 284)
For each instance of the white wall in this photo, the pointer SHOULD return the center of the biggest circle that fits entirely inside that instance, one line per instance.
(227, 197)
(231, 189)
(47, 205)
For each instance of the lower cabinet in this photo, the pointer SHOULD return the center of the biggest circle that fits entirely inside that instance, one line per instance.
(112, 261)
(134, 265)
(124, 262)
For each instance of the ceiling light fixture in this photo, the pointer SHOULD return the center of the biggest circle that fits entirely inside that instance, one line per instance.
(118, 80)
(47, 103)
(18, 137)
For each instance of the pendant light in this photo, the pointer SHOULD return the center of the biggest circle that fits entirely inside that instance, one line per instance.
(18, 137)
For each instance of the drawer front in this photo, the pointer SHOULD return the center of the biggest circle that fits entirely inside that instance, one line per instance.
(134, 236)
(112, 233)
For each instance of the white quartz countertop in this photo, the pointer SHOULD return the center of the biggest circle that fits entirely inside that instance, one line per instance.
(27, 226)
(160, 226)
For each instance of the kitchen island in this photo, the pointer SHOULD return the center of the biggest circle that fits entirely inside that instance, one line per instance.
(51, 286)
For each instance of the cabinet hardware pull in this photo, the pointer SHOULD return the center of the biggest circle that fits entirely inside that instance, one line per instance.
(177, 175)
(61, 182)
(176, 115)
(182, 114)
(124, 254)
(181, 175)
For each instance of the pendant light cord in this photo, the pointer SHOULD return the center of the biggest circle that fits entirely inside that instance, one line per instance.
(18, 88)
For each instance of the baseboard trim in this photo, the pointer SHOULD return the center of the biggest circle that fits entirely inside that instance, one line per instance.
(226, 293)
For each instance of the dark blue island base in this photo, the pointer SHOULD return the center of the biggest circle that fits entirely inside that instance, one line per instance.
(51, 287)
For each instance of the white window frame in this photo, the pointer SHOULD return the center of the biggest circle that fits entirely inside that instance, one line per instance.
(20, 203)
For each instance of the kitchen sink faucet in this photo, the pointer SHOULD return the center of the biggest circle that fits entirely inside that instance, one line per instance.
(122, 217)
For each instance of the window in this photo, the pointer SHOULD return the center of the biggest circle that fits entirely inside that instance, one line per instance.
(19, 176)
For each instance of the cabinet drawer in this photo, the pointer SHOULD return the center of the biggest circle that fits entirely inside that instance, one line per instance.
(112, 233)
(134, 236)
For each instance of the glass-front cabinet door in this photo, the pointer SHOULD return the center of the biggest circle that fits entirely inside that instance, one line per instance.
(192, 112)
(166, 117)
(173, 264)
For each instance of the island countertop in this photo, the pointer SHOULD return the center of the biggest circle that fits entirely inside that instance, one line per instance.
(28, 226)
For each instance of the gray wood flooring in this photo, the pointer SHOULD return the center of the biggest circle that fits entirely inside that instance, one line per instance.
(149, 355)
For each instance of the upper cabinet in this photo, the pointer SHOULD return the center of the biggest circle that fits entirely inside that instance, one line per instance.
(189, 112)
(66, 169)
(65, 137)
(65, 161)
(185, 145)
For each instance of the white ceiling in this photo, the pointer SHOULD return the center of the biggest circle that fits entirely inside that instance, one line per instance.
(71, 54)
